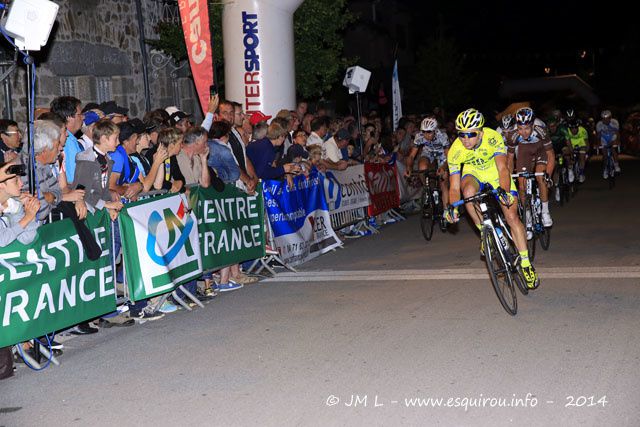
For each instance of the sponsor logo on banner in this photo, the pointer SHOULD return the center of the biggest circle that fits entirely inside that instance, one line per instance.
(194, 15)
(383, 187)
(50, 284)
(346, 190)
(252, 82)
(160, 245)
(231, 225)
(299, 218)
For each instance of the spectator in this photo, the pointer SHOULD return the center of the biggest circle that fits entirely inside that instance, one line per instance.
(297, 151)
(248, 176)
(170, 178)
(148, 169)
(17, 210)
(9, 140)
(221, 158)
(259, 131)
(301, 109)
(181, 121)
(192, 160)
(331, 150)
(319, 128)
(69, 109)
(125, 175)
(306, 122)
(114, 112)
(262, 154)
(90, 118)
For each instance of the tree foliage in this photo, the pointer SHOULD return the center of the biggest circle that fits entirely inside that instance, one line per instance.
(319, 44)
(440, 77)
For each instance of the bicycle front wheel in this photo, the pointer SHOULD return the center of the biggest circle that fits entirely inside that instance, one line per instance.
(500, 273)
(545, 238)
(427, 216)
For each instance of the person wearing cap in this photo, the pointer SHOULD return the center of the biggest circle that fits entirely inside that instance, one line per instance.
(258, 117)
(181, 121)
(69, 109)
(114, 112)
(90, 118)
(17, 210)
(125, 175)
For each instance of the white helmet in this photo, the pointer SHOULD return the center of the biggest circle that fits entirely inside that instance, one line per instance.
(507, 121)
(429, 124)
(605, 114)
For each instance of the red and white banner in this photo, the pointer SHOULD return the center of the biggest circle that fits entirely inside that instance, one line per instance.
(383, 187)
(194, 15)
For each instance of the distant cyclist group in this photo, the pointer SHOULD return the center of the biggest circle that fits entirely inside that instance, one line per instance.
(480, 160)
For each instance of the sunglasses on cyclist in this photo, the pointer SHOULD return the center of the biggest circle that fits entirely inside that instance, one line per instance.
(467, 134)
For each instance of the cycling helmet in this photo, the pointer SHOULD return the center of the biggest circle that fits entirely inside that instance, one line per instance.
(429, 124)
(571, 115)
(524, 116)
(557, 114)
(469, 119)
(573, 123)
(606, 114)
(507, 121)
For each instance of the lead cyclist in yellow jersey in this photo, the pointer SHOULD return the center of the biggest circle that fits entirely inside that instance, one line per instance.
(476, 158)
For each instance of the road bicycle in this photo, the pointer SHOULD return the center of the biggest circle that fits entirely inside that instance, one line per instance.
(531, 213)
(609, 167)
(500, 252)
(431, 207)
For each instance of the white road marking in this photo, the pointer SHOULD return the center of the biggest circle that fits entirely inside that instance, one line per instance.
(454, 274)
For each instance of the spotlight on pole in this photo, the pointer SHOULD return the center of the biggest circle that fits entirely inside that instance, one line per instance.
(356, 80)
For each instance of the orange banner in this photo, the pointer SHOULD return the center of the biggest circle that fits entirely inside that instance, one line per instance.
(194, 15)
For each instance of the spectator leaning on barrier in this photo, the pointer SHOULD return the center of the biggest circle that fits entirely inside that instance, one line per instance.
(125, 175)
(69, 109)
(192, 159)
(68, 195)
(94, 169)
(319, 129)
(10, 141)
(297, 152)
(46, 148)
(169, 177)
(148, 169)
(331, 150)
(262, 154)
(17, 210)
(248, 175)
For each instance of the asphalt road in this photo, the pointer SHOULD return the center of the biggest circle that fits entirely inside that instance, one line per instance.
(368, 334)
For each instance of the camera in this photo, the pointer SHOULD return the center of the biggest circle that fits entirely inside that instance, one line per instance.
(16, 170)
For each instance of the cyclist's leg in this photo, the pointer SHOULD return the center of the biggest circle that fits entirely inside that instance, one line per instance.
(470, 185)
(614, 150)
(444, 182)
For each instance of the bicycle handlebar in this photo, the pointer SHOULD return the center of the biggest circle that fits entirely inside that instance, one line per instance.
(527, 174)
(478, 196)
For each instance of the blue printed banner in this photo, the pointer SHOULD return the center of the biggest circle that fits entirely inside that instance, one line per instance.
(299, 218)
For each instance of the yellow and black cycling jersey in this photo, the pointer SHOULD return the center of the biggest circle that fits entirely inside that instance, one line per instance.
(480, 158)
(480, 161)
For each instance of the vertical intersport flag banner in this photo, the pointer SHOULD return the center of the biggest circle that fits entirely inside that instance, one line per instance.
(299, 218)
(231, 225)
(194, 15)
(383, 187)
(50, 284)
(345, 190)
(160, 245)
(395, 92)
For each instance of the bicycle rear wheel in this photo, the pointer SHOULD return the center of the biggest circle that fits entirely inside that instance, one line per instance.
(427, 216)
(500, 273)
(531, 243)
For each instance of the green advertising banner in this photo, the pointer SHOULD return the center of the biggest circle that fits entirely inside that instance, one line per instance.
(50, 284)
(160, 245)
(231, 225)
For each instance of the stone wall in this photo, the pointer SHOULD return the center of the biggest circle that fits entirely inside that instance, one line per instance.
(95, 43)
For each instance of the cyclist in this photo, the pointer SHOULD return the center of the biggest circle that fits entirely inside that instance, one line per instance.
(476, 158)
(561, 147)
(579, 139)
(608, 133)
(508, 125)
(535, 153)
(433, 145)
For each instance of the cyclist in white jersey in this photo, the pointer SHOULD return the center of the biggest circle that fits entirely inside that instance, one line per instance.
(608, 131)
(433, 146)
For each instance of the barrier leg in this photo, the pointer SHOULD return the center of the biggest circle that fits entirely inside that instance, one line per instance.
(191, 296)
(26, 357)
(45, 351)
(180, 301)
